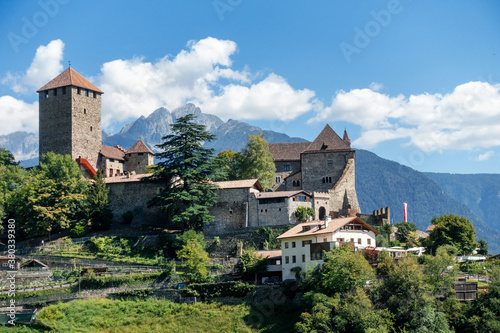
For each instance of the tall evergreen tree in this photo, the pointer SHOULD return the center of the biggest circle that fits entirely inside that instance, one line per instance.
(258, 161)
(185, 170)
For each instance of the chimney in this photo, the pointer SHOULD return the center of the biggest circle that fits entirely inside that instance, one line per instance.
(328, 219)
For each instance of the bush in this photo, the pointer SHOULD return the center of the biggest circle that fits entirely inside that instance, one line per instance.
(127, 217)
(395, 243)
(131, 294)
(79, 231)
(113, 281)
(224, 289)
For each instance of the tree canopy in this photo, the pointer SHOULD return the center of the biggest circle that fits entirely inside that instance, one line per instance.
(405, 228)
(454, 230)
(258, 161)
(230, 164)
(185, 170)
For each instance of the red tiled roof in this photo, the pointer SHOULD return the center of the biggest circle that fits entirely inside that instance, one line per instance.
(112, 152)
(244, 183)
(271, 254)
(287, 151)
(139, 147)
(70, 77)
(280, 194)
(327, 140)
(333, 226)
(430, 228)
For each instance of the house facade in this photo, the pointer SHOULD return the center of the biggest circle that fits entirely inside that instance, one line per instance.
(303, 245)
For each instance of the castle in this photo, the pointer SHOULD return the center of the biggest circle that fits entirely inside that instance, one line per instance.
(318, 174)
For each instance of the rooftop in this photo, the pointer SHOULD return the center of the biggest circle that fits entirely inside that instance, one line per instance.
(287, 151)
(244, 183)
(112, 152)
(126, 179)
(70, 77)
(318, 227)
(280, 194)
(328, 140)
(270, 254)
(139, 147)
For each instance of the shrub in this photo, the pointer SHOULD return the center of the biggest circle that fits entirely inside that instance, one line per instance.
(127, 217)
(224, 289)
(79, 231)
(130, 294)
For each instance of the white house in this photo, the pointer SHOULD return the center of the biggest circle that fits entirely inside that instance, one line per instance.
(303, 245)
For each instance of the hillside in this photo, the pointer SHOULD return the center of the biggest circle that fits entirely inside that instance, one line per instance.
(380, 183)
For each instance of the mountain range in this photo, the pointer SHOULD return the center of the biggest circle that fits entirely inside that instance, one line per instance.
(379, 182)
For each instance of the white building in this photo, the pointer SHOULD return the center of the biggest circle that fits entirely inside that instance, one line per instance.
(303, 245)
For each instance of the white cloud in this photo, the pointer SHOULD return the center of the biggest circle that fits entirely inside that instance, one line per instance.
(202, 75)
(45, 66)
(375, 86)
(467, 118)
(17, 115)
(486, 156)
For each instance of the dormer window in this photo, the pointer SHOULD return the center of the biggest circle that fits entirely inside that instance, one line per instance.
(306, 228)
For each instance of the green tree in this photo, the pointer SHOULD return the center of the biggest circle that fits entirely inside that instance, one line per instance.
(405, 228)
(454, 230)
(387, 230)
(53, 199)
(184, 171)
(483, 247)
(302, 213)
(440, 270)
(297, 270)
(230, 163)
(258, 161)
(195, 260)
(341, 272)
(12, 178)
(100, 212)
(6, 157)
(186, 236)
(251, 265)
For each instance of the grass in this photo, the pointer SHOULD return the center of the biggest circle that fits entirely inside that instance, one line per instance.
(152, 315)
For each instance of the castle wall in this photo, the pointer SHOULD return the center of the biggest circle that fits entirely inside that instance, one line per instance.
(134, 197)
(86, 124)
(137, 162)
(347, 184)
(316, 166)
(294, 182)
(55, 122)
(281, 213)
(283, 170)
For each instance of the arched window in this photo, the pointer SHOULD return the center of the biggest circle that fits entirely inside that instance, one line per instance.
(298, 182)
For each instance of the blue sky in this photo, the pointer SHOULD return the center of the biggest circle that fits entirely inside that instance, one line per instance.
(416, 82)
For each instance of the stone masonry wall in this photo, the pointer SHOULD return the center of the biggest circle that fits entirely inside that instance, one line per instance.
(55, 122)
(315, 167)
(346, 184)
(134, 197)
(86, 125)
(137, 163)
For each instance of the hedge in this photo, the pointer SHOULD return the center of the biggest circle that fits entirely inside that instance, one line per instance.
(223, 289)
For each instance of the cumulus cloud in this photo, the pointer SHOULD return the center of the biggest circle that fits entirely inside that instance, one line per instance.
(486, 156)
(202, 75)
(45, 66)
(17, 115)
(466, 118)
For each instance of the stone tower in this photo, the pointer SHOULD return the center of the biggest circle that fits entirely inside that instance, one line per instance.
(139, 156)
(70, 117)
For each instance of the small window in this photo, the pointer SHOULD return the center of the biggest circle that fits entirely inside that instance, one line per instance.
(94, 94)
(91, 128)
(230, 211)
(140, 154)
(359, 241)
(111, 172)
(323, 180)
(306, 242)
(324, 240)
(64, 90)
(78, 91)
(286, 167)
(87, 92)
(303, 258)
(329, 163)
(298, 182)
(278, 179)
(55, 92)
(139, 163)
(287, 260)
(369, 241)
(330, 180)
(286, 245)
(84, 111)
(280, 209)
(302, 198)
(46, 94)
(293, 244)
(266, 210)
(352, 240)
(294, 259)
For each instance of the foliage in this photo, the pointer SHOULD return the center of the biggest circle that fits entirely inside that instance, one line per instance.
(258, 161)
(405, 228)
(111, 245)
(6, 158)
(395, 243)
(250, 264)
(230, 163)
(113, 281)
(53, 199)
(132, 294)
(353, 312)
(216, 240)
(381, 241)
(387, 230)
(12, 177)
(223, 289)
(183, 239)
(297, 270)
(151, 315)
(341, 272)
(454, 230)
(79, 231)
(127, 217)
(195, 259)
(269, 235)
(100, 213)
(303, 213)
(439, 270)
(483, 247)
(186, 167)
